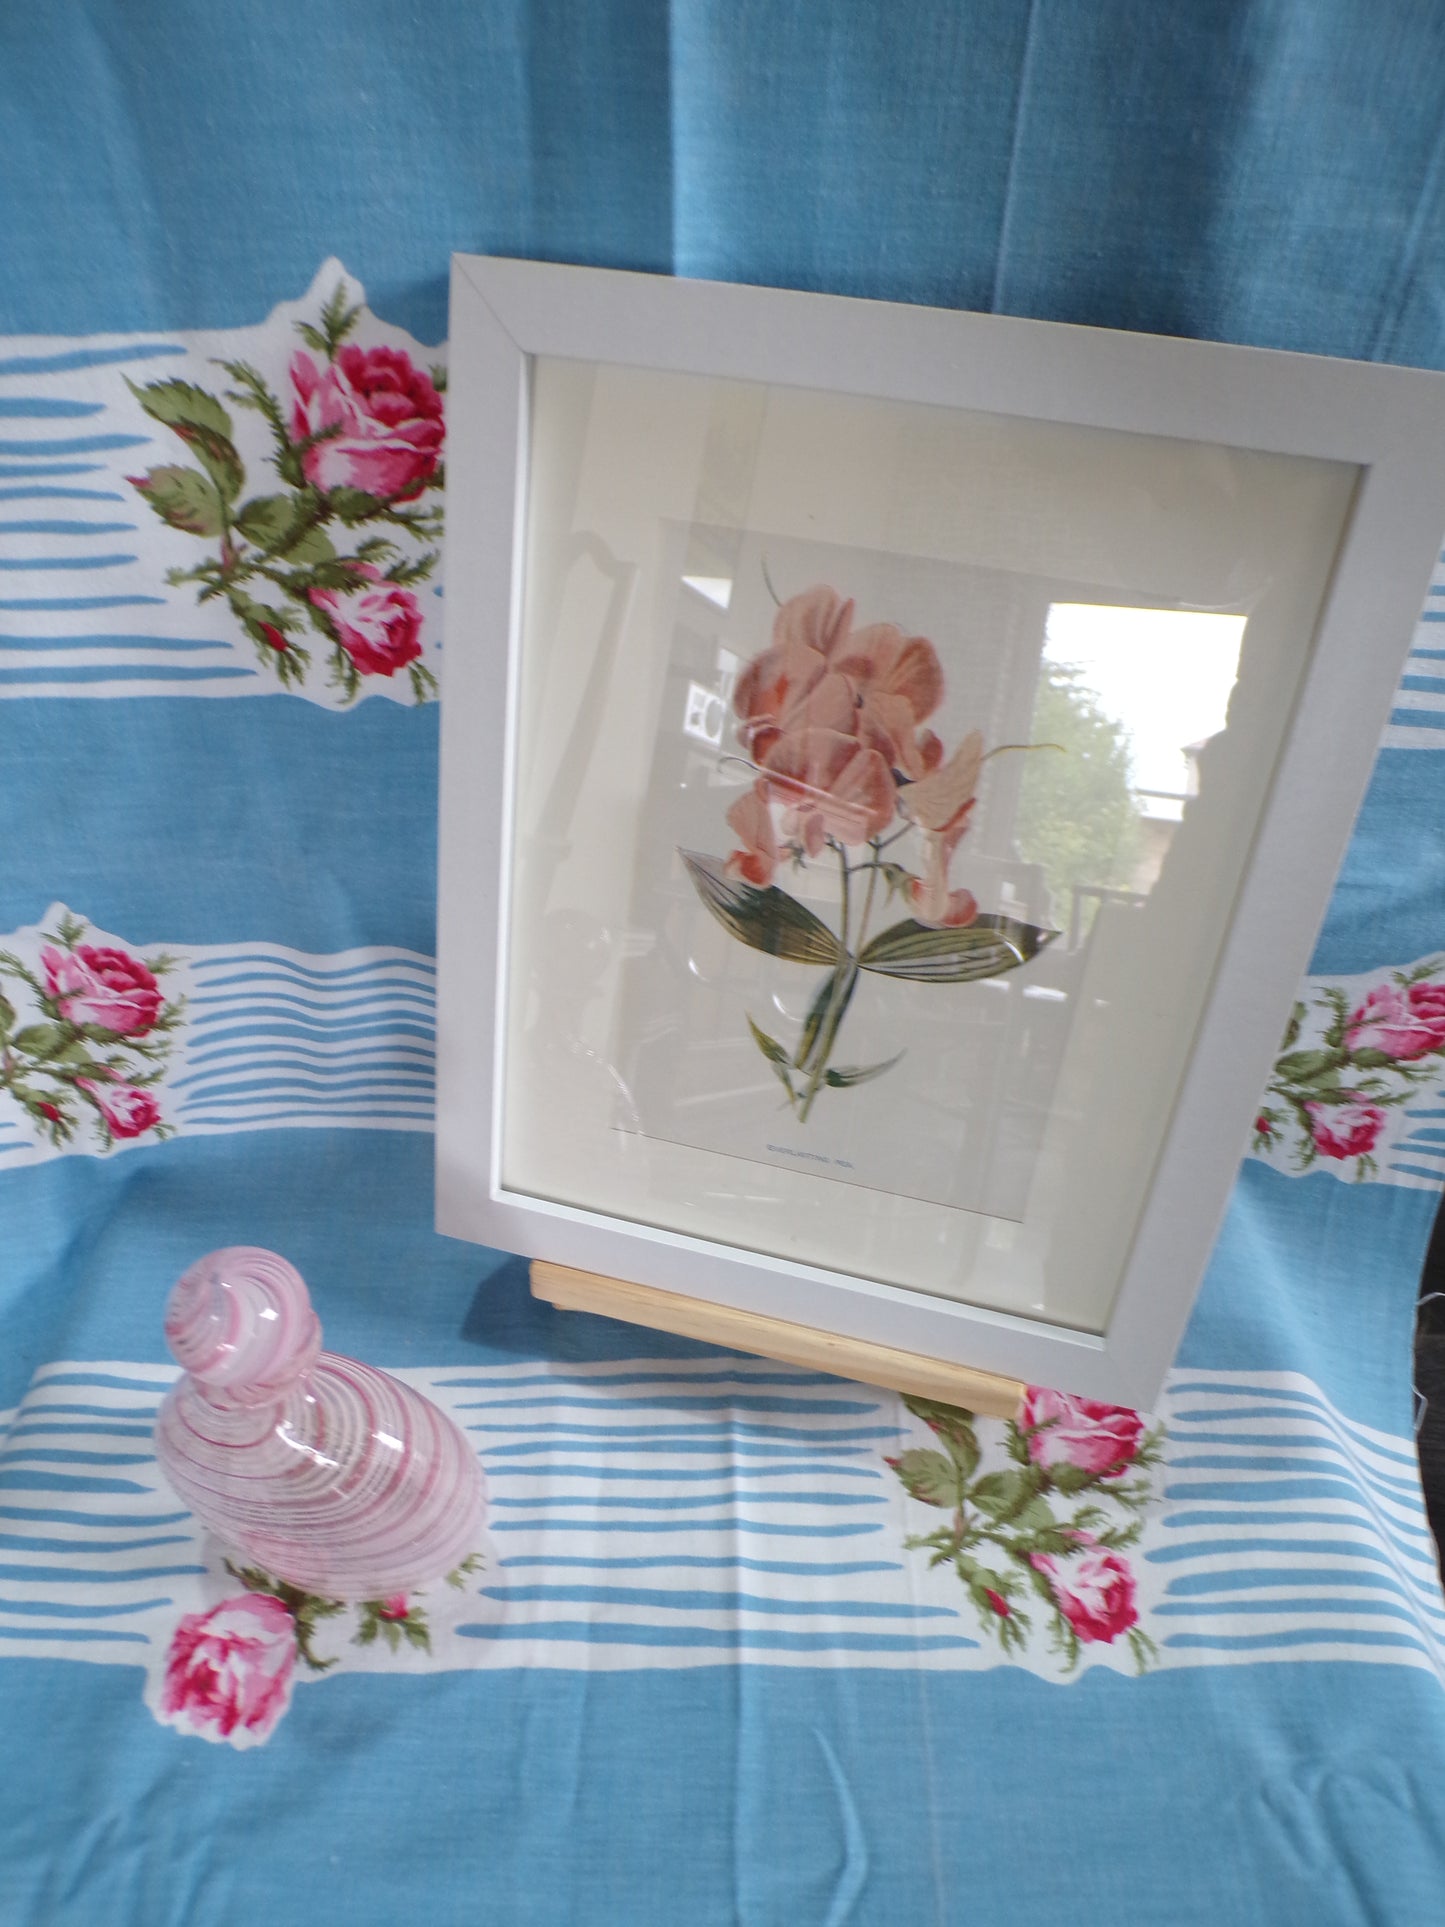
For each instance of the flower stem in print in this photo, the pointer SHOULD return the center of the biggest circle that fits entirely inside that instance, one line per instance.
(1003, 1537)
(831, 722)
(360, 448)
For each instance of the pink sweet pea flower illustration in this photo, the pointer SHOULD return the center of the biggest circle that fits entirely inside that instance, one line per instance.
(772, 690)
(379, 628)
(128, 1111)
(97, 984)
(228, 1671)
(830, 786)
(897, 681)
(877, 684)
(752, 821)
(1082, 1432)
(1095, 1591)
(1345, 1130)
(941, 803)
(389, 415)
(1404, 1022)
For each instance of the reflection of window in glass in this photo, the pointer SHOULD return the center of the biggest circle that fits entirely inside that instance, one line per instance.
(1130, 696)
(706, 713)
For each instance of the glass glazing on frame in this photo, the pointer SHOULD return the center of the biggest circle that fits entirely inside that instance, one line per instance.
(885, 775)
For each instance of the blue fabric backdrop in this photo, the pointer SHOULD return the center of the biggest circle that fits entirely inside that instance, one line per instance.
(1268, 173)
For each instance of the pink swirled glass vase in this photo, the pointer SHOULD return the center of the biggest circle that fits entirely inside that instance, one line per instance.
(320, 1470)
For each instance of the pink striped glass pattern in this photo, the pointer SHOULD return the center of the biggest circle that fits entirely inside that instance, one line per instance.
(320, 1470)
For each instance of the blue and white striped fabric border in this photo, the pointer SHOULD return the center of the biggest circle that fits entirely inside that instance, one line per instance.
(85, 609)
(1289, 1531)
(659, 1512)
(1417, 718)
(280, 1038)
(1419, 1152)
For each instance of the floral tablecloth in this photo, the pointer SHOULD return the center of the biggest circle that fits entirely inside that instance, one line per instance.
(739, 1642)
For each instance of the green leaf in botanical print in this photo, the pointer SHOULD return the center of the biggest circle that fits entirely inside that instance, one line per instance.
(353, 505)
(931, 1476)
(952, 1424)
(42, 1040)
(184, 498)
(202, 424)
(1308, 1066)
(180, 405)
(775, 1054)
(844, 1076)
(457, 1578)
(767, 920)
(831, 1002)
(988, 947)
(1003, 1494)
(273, 522)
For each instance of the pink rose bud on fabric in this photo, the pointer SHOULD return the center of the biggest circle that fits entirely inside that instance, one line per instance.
(1097, 1438)
(1403, 1022)
(1345, 1130)
(228, 1671)
(379, 628)
(96, 984)
(1095, 1592)
(129, 1112)
(998, 1602)
(393, 1608)
(388, 415)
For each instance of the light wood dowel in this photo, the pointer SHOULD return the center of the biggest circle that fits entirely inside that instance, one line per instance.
(750, 1331)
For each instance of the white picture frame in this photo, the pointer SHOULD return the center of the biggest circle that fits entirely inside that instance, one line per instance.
(1384, 427)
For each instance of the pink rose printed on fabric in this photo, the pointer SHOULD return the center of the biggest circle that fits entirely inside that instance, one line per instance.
(86, 1033)
(96, 984)
(335, 542)
(833, 722)
(1404, 1022)
(127, 1111)
(1095, 1592)
(1346, 1063)
(1036, 1517)
(228, 1673)
(1345, 1130)
(379, 628)
(388, 414)
(1082, 1432)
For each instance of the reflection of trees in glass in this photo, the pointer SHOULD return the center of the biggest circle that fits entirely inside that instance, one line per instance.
(1077, 817)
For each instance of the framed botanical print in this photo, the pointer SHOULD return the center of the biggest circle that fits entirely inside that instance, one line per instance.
(894, 764)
